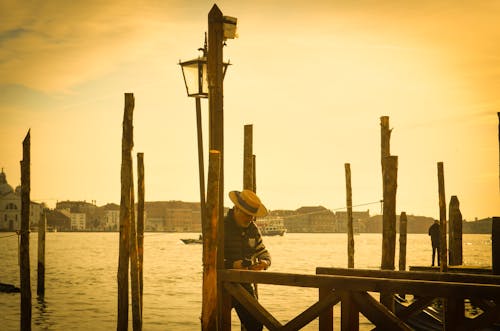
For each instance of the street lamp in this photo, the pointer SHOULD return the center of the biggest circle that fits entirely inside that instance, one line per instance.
(194, 73)
(195, 76)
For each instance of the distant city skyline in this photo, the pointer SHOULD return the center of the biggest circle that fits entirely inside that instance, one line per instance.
(312, 77)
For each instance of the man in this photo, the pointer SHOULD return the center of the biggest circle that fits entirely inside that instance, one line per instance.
(243, 246)
(434, 232)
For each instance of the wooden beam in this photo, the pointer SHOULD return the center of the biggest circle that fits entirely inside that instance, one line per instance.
(140, 221)
(377, 313)
(248, 158)
(349, 313)
(134, 261)
(42, 226)
(415, 275)
(416, 306)
(403, 221)
(252, 306)
(369, 284)
(326, 316)
(325, 303)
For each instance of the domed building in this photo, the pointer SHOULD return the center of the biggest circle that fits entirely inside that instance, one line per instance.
(10, 207)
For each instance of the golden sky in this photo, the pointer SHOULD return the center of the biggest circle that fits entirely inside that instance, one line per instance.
(313, 77)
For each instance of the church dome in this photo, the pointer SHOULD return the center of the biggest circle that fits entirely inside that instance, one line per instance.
(5, 188)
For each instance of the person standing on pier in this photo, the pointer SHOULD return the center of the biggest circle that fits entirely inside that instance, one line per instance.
(434, 232)
(243, 245)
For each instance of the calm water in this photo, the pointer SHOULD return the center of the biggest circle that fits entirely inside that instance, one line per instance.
(81, 272)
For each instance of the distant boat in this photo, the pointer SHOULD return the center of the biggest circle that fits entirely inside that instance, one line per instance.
(193, 241)
(271, 226)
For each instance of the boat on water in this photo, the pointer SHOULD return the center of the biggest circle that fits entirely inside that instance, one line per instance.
(271, 226)
(193, 241)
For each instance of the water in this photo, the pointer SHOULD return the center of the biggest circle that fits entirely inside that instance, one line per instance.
(81, 268)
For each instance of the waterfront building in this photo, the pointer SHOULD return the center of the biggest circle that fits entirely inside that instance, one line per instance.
(10, 207)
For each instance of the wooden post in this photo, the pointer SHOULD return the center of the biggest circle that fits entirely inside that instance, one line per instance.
(42, 225)
(350, 232)
(248, 158)
(403, 221)
(325, 319)
(134, 261)
(442, 219)
(125, 212)
(209, 232)
(385, 139)
(349, 314)
(455, 229)
(389, 223)
(495, 245)
(201, 165)
(25, 235)
(254, 161)
(140, 221)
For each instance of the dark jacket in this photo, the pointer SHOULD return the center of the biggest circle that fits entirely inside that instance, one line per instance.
(242, 243)
(434, 232)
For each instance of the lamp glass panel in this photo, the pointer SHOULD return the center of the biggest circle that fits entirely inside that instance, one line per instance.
(191, 76)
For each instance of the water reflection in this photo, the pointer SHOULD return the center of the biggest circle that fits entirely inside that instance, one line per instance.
(41, 317)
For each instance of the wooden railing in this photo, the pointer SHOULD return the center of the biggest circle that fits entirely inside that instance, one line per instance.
(351, 287)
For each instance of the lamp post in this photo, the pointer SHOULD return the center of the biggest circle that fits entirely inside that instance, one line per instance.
(194, 73)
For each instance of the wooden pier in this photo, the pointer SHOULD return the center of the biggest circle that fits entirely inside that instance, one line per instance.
(351, 288)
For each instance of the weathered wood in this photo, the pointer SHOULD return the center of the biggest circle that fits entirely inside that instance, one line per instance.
(248, 158)
(415, 275)
(350, 230)
(42, 226)
(455, 269)
(349, 313)
(416, 306)
(495, 245)
(385, 139)
(24, 250)
(252, 306)
(254, 161)
(134, 261)
(209, 232)
(378, 314)
(368, 284)
(325, 303)
(326, 316)
(389, 223)
(201, 163)
(453, 313)
(443, 255)
(403, 221)
(455, 232)
(125, 212)
(225, 306)
(140, 222)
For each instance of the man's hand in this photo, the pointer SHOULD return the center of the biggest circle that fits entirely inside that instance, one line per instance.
(237, 265)
(261, 265)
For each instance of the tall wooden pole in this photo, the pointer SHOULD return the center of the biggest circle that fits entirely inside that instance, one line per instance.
(134, 261)
(403, 221)
(389, 225)
(209, 231)
(248, 158)
(42, 225)
(455, 232)
(442, 219)
(140, 222)
(495, 245)
(125, 212)
(254, 162)
(201, 165)
(25, 235)
(350, 231)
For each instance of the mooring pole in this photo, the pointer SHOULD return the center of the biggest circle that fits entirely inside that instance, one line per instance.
(125, 212)
(25, 235)
(350, 230)
(209, 231)
(495, 245)
(134, 261)
(403, 221)
(140, 222)
(248, 158)
(442, 219)
(42, 225)
(455, 232)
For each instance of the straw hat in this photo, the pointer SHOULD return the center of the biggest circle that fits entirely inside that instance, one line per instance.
(248, 202)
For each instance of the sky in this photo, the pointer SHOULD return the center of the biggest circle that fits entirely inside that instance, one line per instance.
(313, 77)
